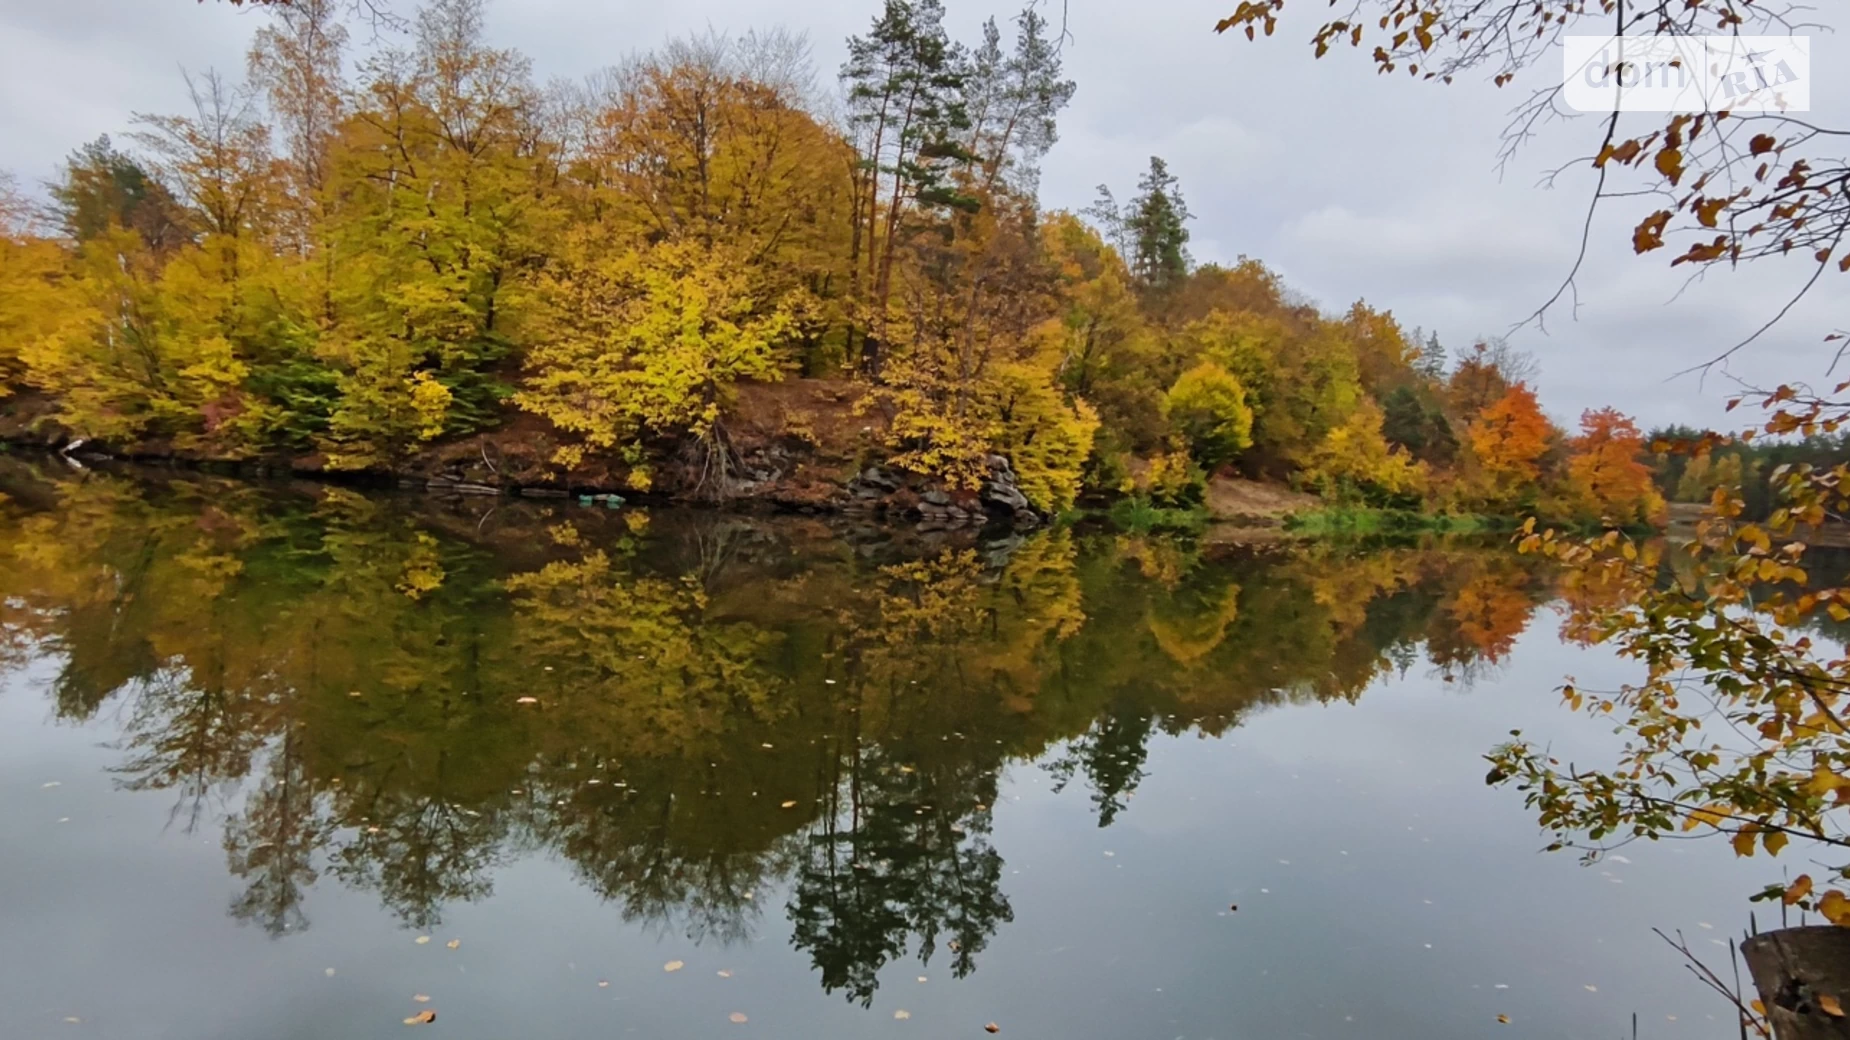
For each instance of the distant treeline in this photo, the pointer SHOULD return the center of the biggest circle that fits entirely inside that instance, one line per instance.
(1692, 469)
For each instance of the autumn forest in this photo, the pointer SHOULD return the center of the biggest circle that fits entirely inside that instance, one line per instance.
(348, 257)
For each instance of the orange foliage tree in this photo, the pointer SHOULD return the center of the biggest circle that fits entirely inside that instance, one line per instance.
(1509, 439)
(1605, 477)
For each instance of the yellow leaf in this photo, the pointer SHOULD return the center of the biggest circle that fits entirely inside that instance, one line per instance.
(453, 943)
(789, 805)
(1744, 840)
(674, 966)
(422, 1018)
(1830, 1005)
(422, 939)
(902, 1014)
(737, 1018)
(422, 998)
(1505, 1019)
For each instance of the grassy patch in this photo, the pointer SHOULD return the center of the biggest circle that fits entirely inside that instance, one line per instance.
(1138, 515)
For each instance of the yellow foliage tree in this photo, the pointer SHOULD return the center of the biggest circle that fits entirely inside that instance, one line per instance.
(1208, 408)
(1355, 458)
(638, 342)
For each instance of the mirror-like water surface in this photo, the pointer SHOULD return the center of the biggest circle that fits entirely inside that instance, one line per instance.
(257, 745)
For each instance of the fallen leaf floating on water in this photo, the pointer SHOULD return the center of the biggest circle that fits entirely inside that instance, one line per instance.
(789, 805)
(1592, 989)
(422, 939)
(724, 974)
(738, 1018)
(922, 978)
(527, 700)
(1830, 1005)
(992, 1028)
(602, 984)
(1233, 906)
(1505, 1019)
(422, 998)
(453, 943)
(422, 1018)
(674, 965)
(329, 973)
(902, 1014)
(74, 1020)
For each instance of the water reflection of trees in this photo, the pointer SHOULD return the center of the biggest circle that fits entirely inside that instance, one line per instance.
(697, 715)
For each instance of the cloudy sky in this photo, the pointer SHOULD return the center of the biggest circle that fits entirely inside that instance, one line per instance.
(1350, 185)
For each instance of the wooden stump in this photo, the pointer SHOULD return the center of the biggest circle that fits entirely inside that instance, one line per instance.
(1800, 973)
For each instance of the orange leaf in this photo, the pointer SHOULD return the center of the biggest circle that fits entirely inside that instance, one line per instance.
(1649, 234)
(422, 1018)
(1830, 1005)
(1701, 253)
(1798, 890)
(1669, 162)
(1835, 908)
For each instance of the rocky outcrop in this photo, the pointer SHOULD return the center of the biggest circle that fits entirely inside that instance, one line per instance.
(804, 452)
(895, 494)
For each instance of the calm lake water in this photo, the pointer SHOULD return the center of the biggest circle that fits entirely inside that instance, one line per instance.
(282, 761)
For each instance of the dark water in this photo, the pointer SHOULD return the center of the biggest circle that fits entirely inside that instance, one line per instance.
(257, 743)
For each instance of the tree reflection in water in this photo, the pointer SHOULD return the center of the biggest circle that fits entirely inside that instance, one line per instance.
(694, 711)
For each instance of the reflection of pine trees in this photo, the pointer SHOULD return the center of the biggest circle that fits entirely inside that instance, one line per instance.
(190, 738)
(661, 855)
(357, 674)
(420, 852)
(1111, 754)
(900, 853)
(272, 841)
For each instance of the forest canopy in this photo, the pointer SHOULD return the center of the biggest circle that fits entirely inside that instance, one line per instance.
(359, 253)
